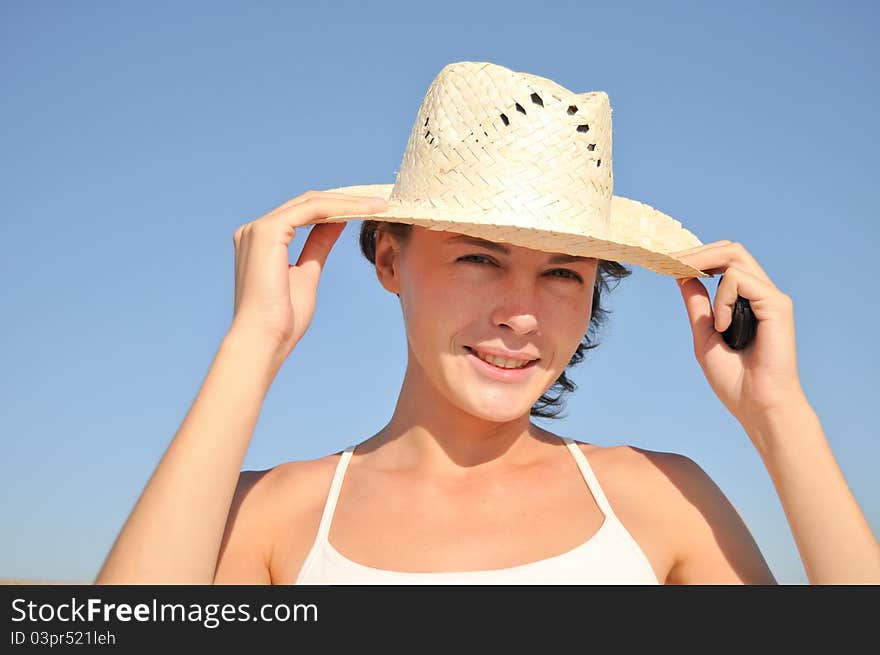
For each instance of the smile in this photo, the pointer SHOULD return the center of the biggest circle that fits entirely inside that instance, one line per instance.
(500, 368)
(500, 362)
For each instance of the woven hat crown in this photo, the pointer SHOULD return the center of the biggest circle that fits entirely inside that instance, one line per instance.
(492, 141)
(517, 158)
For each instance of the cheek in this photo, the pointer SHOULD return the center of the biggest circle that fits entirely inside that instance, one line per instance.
(432, 309)
(570, 321)
(436, 295)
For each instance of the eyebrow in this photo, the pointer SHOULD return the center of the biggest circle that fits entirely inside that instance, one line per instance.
(497, 247)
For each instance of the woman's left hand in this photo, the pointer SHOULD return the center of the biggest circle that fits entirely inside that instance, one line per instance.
(763, 376)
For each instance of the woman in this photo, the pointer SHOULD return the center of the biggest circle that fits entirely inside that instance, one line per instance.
(460, 486)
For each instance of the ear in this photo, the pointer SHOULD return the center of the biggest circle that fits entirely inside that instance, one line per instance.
(388, 261)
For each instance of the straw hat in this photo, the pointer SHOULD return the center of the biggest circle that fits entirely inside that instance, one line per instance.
(516, 158)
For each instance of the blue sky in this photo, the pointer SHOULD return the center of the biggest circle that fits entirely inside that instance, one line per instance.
(137, 137)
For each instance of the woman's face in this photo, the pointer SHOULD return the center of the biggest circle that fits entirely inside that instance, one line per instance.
(464, 299)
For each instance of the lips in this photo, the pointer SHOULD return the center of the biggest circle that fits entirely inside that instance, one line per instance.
(500, 360)
(498, 372)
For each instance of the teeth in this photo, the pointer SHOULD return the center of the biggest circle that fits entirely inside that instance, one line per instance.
(500, 361)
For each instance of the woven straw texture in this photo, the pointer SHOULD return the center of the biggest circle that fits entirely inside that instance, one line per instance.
(516, 158)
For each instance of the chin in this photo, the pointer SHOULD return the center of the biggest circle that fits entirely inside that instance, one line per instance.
(495, 407)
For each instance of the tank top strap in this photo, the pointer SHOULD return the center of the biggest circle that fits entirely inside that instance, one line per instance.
(333, 495)
(590, 477)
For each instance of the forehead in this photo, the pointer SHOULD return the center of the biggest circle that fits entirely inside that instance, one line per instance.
(453, 239)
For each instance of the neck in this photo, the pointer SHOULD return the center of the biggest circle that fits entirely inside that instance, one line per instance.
(430, 434)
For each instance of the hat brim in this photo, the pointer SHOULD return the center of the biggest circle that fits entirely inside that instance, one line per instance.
(628, 219)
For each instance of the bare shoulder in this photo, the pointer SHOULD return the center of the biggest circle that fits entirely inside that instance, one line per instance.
(641, 496)
(274, 513)
(640, 470)
(662, 474)
(668, 478)
(707, 539)
(305, 478)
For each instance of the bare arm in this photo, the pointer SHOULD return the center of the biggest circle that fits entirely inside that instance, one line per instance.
(712, 543)
(760, 386)
(834, 539)
(246, 549)
(174, 532)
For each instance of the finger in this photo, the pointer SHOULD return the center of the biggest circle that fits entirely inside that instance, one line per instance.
(679, 254)
(315, 208)
(717, 258)
(737, 282)
(702, 246)
(725, 299)
(312, 194)
(236, 251)
(699, 311)
(242, 254)
(317, 246)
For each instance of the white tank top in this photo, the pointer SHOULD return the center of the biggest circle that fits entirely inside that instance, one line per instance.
(610, 556)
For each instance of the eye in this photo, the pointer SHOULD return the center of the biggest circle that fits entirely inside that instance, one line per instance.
(472, 258)
(556, 272)
(567, 273)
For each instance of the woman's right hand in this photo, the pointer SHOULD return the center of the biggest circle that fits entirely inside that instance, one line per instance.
(274, 299)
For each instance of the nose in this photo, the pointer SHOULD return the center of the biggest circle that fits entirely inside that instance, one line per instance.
(516, 306)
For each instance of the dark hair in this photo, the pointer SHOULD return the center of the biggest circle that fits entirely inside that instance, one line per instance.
(548, 405)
